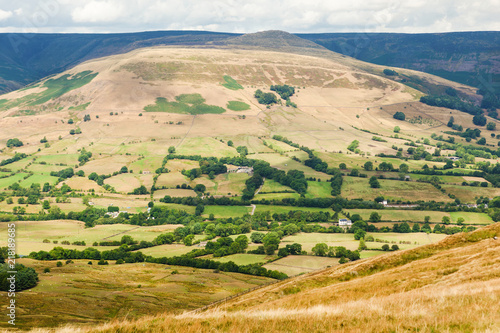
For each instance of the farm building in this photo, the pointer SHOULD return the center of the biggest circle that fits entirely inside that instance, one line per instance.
(345, 223)
(248, 170)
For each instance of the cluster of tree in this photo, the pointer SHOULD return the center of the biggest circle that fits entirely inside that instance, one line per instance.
(451, 102)
(84, 156)
(270, 242)
(63, 174)
(290, 249)
(285, 91)
(265, 98)
(294, 179)
(390, 72)
(225, 246)
(323, 250)
(254, 269)
(469, 133)
(86, 117)
(14, 143)
(208, 166)
(17, 157)
(25, 277)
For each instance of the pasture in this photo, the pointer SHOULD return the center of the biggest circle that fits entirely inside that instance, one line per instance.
(403, 215)
(353, 188)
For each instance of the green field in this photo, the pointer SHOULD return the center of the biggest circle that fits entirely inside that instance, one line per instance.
(185, 103)
(226, 211)
(286, 209)
(244, 258)
(271, 186)
(39, 179)
(6, 182)
(278, 196)
(237, 106)
(318, 190)
(55, 88)
(231, 83)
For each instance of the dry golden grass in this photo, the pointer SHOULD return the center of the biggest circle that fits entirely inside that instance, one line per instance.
(450, 286)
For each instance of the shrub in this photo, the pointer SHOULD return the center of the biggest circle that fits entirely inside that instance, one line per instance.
(59, 264)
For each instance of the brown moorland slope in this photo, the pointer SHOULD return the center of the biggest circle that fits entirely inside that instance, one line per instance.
(450, 286)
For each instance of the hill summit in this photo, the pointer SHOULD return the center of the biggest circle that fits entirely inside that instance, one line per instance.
(271, 39)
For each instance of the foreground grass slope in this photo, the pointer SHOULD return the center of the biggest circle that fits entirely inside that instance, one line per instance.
(451, 286)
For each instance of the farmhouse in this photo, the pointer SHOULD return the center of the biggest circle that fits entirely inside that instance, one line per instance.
(248, 170)
(345, 223)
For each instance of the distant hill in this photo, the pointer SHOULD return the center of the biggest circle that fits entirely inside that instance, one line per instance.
(25, 58)
(466, 57)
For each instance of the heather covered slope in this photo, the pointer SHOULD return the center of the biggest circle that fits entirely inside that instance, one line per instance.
(451, 286)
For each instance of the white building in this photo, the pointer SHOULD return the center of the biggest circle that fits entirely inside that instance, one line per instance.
(345, 223)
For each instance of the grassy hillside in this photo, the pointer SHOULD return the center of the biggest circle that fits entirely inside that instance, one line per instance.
(422, 289)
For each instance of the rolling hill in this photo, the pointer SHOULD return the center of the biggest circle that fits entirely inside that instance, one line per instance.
(115, 91)
(160, 133)
(450, 286)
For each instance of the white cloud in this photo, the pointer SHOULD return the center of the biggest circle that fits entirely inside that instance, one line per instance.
(5, 14)
(256, 15)
(98, 11)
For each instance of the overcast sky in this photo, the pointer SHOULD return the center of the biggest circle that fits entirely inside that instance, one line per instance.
(297, 16)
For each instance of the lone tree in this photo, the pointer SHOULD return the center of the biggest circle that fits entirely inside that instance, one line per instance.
(171, 150)
(374, 183)
(399, 116)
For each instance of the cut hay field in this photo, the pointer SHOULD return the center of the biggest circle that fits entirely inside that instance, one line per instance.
(127, 182)
(107, 164)
(294, 265)
(206, 147)
(353, 188)
(419, 216)
(469, 194)
(175, 193)
(171, 179)
(168, 250)
(94, 294)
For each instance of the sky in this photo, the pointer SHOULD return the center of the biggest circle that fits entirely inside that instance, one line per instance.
(295, 16)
